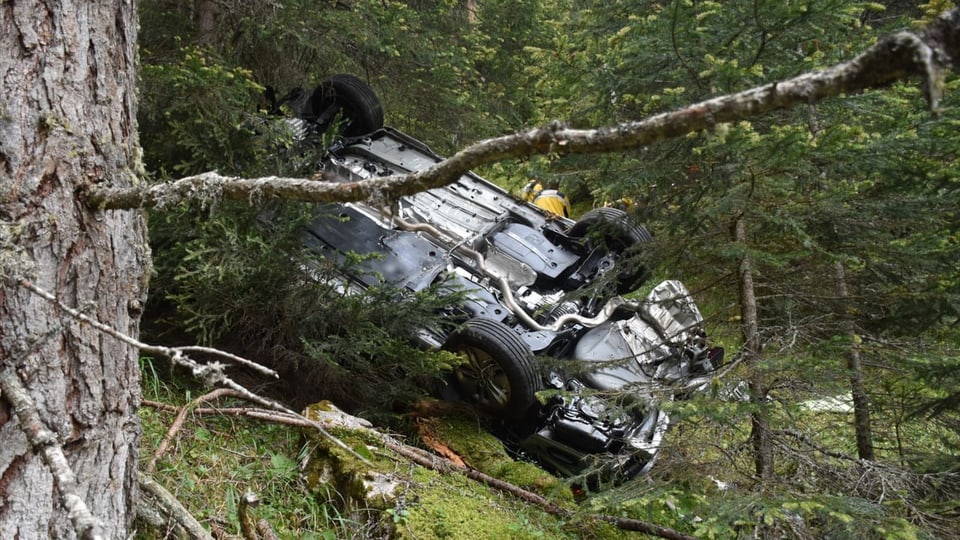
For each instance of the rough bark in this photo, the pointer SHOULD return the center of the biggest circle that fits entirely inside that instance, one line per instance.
(67, 124)
(67, 119)
(205, 14)
(861, 401)
(751, 354)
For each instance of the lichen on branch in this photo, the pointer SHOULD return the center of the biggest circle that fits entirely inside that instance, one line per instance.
(927, 55)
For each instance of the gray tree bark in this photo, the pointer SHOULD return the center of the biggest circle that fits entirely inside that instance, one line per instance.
(752, 351)
(69, 393)
(205, 14)
(858, 390)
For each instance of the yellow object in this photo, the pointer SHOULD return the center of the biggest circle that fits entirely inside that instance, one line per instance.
(531, 190)
(551, 200)
(623, 203)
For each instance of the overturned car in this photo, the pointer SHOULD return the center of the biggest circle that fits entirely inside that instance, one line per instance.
(571, 369)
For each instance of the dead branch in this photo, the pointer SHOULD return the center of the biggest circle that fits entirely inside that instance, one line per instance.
(265, 530)
(247, 527)
(873, 480)
(807, 440)
(441, 464)
(211, 373)
(155, 497)
(437, 463)
(259, 530)
(45, 442)
(251, 412)
(169, 352)
(178, 423)
(926, 55)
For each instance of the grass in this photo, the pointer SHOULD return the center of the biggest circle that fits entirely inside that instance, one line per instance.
(214, 459)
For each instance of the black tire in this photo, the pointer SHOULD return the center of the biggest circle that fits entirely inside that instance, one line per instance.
(352, 99)
(614, 229)
(499, 375)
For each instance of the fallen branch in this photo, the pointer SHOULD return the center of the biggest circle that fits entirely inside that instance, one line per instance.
(170, 508)
(437, 463)
(250, 412)
(444, 465)
(926, 55)
(265, 530)
(211, 373)
(247, 527)
(875, 481)
(178, 423)
(44, 441)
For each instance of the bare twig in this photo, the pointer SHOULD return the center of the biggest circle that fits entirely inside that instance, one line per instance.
(170, 507)
(265, 530)
(277, 406)
(807, 440)
(45, 442)
(169, 352)
(247, 527)
(211, 373)
(899, 56)
(874, 480)
(259, 530)
(252, 412)
(178, 423)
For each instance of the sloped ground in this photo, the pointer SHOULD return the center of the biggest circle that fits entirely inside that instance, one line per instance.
(406, 492)
(347, 481)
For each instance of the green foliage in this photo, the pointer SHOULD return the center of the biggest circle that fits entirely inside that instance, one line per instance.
(241, 281)
(195, 114)
(362, 354)
(213, 269)
(446, 74)
(215, 459)
(936, 402)
(706, 507)
(868, 182)
(803, 517)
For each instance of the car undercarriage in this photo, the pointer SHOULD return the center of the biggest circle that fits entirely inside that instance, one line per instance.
(559, 350)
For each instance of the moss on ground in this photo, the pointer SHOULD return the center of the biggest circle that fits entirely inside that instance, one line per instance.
(452, 506)
(216, 458)
(410, 501)
(485, 453)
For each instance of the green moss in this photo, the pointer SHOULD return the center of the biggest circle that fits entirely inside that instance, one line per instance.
(450, 506)
(453, 506)
(333, 469)
(485, 453)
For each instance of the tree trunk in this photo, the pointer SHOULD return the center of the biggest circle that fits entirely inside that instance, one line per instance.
(205, 17)
(750, 328)
(68, 119)
(861, 403)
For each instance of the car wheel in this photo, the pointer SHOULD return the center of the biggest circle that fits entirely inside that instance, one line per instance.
(613, 228)
(351, 98)
(499, 374)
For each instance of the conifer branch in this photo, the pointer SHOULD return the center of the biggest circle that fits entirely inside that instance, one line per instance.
(926, 55)
(211, 373)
